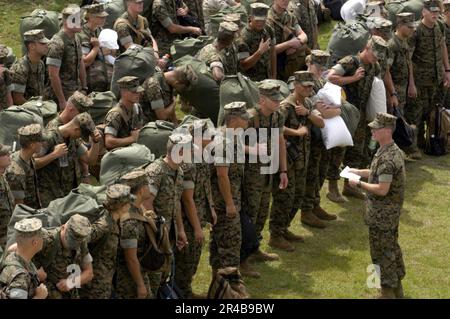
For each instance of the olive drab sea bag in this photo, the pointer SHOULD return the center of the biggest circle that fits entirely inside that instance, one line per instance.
(154, 135)
(103, 103)
(189, 46)
(49, 21)
(48, 109)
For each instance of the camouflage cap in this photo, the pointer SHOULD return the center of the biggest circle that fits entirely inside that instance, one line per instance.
(379, 47)
(190, 76)
(305, 78)
(407, 18)
(228, 27)
(3, 53)
(86, 124)
(206, 126)
(290, 82)
(182, 139)
(259, 11)
(235, 18)
(81, 102)
(383, 120)
(130, 83)
(432, 5)
(446, 4)
(28, 227)
(380, 24)
(118, 194)
(30, 133)
(320, 57)
(4, 150)
(270, 89)
(78, 229)
(71, 9)
(96, 10)
(36, 35)
(236, 108)
(135, 178)
(373, 7)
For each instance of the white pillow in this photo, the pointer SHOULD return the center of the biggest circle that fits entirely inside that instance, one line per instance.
(377, 99)
(330, 94)
(335, 133)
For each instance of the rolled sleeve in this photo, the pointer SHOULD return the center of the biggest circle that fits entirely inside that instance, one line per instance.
(17, 293)
(166, 22)
(87, 259)
(19, 88)
(54, 62)
(188, 185)
(126, 40)
(158, 104)
(339, 69)
(128, 243)
(216, 64)
(385, 178)
(111, 130)
(243, 55)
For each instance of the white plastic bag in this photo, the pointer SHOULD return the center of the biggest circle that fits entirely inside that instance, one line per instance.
(352, 8)
(108, 39)
(335, 133)
(377, 99)
(330, 94)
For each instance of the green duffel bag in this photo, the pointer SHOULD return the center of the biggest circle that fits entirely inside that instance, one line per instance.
(350, 114)
(204, 96)
(398, 6)
(96, 192)
(237, 88)
(155, 135)
(217, 18)
(49, 21)
(103, 102)
(122, 160)
(189, 46)
(13, 118)
(135, 61)
(347, 38)
(115, 8)
(48, 109)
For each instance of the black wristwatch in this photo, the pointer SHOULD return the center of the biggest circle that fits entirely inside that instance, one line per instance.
(394, 94)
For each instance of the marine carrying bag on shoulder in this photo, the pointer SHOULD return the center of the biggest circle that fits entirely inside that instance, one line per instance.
(49, 21)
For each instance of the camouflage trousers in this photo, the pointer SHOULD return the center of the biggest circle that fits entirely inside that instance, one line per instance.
(49, 192)
(355, 155)
(336, 157)
(417, 111)
(256, 196)
(125, 285)
(286, 202)
(54, 293)
(226, 239)
(186, 261)
(387, 254)
(316, 173)
(97, 289)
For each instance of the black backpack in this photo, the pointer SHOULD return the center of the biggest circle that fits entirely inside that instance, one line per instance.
(436, 138)
(250, 242)
(404, 133)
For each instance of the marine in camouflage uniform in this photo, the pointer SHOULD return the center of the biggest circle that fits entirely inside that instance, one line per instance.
(383, 212)
(65, 55)
(429, 65)
(141, 34)
(212, 7)
(5, 80)
(401, 58)
(21, 174)
(226, 238)
(132, 236)
(57, 255)
(6, 197)
(56, 180)
(305, 12)
(196, 178)
(446, 23)
(196, 10)
(98, 72)
(285, 203)
(249, 42)
(28, 74)
(126, 116)
(104, 240)
(18, 276)
(286, 27)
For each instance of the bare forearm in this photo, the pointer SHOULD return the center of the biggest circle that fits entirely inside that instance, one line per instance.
(191, 210)
(280, 48)
(83, 74)
(340, 80)
(282, 158)
(18, 98)
(316, 120)
(86, 276)
(92, 154)
(388, 82)
(43, 161)
(114, 142)
(251, 61)
(134, 267)
(225, 190)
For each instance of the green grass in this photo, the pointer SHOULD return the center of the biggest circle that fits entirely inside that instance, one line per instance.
(332, 262)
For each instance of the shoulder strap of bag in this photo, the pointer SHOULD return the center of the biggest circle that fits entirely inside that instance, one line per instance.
(139, 33)
(122, 113)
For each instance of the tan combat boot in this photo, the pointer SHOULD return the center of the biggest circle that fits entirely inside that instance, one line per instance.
(279, 242)
(308, 218)
(333, 192)
(259, 255)
(354, 192)
(248, 271)
(290, 236)
(322, 214)
(398, 291)
(386, 293)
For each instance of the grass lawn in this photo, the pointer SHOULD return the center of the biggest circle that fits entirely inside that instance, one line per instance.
(332, 262)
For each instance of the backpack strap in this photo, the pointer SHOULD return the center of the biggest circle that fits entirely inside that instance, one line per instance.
(140, 35)
(122, 113)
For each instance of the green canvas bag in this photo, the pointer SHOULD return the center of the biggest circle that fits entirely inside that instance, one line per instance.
(237, 88)
(13, 118)
(49, 21)
(204, 96)
(135, 61)
(217, 18)
(48, 109)
(189, 46)
(115, 8)
(122, 160)
(350, 114)
(398, 6)
(154, 135)
(103, 102)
